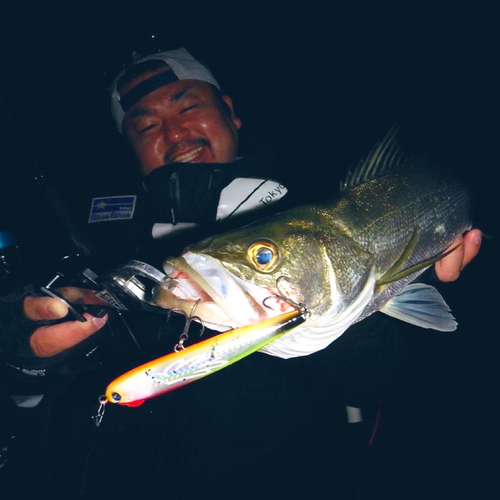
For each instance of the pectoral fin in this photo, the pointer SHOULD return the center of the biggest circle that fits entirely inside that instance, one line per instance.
(421, 305)
(395, 274)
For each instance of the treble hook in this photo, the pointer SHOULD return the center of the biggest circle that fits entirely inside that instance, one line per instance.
(184, 335)
(281, 295)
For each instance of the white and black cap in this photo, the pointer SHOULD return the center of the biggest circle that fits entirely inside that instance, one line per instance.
(183, 67)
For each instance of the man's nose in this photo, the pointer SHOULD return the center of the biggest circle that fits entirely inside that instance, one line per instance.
(174, 131)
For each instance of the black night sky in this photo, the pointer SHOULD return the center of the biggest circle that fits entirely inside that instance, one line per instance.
(321, 87)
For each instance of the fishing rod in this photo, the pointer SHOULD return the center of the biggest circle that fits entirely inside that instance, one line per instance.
(59, 209)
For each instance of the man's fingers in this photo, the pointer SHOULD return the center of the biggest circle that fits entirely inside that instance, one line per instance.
(53, 339)
(50, 340)
(472, 244)
(448, 269)
(44, 308)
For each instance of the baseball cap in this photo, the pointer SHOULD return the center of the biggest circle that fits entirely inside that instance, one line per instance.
(184, 67)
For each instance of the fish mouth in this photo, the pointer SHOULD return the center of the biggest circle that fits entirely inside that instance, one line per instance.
(222, 301)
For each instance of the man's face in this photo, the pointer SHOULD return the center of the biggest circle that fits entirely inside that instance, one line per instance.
(182, 122)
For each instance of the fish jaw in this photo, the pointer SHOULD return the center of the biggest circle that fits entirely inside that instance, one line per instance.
(205, 288)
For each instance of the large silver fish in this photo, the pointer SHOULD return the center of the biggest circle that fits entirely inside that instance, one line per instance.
(342, 260)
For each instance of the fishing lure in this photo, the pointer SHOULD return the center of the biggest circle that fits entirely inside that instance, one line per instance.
(180, 368)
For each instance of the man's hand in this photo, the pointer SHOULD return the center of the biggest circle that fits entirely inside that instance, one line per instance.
(50, 340)
(448, 269)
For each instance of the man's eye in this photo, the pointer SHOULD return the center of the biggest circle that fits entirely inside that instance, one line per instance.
(146, 128)
(188, 108)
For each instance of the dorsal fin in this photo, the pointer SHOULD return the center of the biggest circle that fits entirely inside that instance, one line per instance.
(385, 156)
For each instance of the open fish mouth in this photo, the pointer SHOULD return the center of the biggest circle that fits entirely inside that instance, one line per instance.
(220, 299)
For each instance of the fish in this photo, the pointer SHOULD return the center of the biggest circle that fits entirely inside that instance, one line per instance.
(343, 259)
(189, 364)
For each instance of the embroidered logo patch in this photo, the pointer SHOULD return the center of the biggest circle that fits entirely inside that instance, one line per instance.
(112, 208)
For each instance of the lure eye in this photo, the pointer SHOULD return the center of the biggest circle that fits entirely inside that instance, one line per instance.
(263, 255)
(116, 397)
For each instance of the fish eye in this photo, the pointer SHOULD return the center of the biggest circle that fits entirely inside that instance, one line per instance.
(264, 255)
(116, 397)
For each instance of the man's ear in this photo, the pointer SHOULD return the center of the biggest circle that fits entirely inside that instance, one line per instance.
(230, 111)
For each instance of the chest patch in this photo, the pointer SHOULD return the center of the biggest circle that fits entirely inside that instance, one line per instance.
(112, 208)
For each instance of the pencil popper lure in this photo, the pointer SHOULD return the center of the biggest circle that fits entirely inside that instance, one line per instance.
(192, 363)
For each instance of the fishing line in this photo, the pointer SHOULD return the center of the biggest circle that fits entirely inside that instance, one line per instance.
(97, 421)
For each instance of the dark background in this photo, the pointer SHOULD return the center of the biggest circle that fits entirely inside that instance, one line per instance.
(321, 87)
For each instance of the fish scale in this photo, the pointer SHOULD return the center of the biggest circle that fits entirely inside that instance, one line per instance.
(427, 198)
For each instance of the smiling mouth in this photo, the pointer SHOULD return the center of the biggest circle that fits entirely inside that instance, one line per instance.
(189, 156)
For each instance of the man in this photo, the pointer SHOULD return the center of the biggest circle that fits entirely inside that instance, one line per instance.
(215, 436)
(184, 121)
